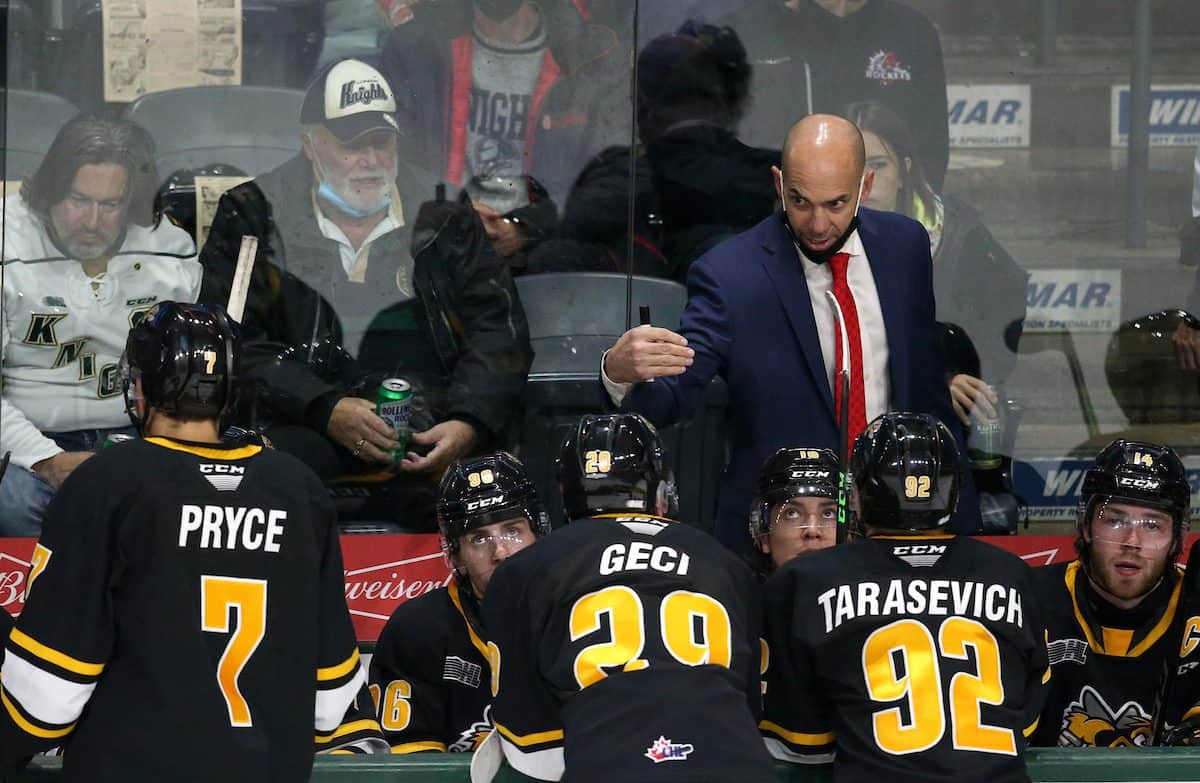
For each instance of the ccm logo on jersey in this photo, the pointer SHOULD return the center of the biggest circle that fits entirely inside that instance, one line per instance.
(920, 549)
(476, 505)
(225, 478)
(641, 556)
(231, 527)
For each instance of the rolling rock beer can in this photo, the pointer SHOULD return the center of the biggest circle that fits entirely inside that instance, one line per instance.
(393, 404)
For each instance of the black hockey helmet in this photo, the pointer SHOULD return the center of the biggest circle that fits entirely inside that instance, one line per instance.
(484, 491)
(789, 473)
(186, 356)
(1144, 474)
(615, 464)
(904, 470)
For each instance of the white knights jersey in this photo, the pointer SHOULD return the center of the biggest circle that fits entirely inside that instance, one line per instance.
(64, 332)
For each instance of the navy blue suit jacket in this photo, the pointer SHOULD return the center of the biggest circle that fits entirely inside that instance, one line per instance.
(750, 320)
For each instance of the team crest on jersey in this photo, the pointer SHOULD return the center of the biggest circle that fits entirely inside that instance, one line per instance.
(1089, 721)
(662, 749)
(885, 68)
(474, 735)
(41, 329)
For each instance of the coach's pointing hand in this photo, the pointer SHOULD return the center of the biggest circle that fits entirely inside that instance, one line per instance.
(646, 352)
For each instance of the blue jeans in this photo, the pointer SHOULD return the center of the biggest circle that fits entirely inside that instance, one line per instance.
(24, 494)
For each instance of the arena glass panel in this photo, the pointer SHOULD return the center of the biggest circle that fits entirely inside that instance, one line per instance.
(430, 167)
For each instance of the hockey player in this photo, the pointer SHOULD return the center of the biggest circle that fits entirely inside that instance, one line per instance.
(186, 607)
(625, 646)
(430, 673)
(85, 255)
(795, 509)
(1109, 611)
(919, 656)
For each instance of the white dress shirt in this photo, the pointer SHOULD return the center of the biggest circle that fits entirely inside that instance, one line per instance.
(872, 331)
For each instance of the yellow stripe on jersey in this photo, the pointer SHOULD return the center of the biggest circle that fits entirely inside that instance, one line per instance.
(366, 724)
(1046, 676)
(1100, 645)
(201, 451)
(418, 747)
(1193, 712)
(525, 740)
(50, 655)
(452, 589)
(340, 670)
(28, 727)
(796, 737)
(1031, 728)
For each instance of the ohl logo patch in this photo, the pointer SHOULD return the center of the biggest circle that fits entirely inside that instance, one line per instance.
(662, 749)
(1090, 722)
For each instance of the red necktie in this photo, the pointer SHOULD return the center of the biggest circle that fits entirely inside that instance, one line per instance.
(858, 397)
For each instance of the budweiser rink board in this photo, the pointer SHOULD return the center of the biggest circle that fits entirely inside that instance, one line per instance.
(384, 571)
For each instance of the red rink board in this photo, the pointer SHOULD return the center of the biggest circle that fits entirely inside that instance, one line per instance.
(384, 571)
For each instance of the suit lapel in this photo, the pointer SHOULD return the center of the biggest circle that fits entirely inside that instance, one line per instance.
(784, 268)
(888, 272)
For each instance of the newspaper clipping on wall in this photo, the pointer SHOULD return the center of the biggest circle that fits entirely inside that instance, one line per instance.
(155, 45)
(208, 192)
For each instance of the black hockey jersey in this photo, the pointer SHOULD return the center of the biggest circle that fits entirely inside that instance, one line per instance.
(627, 648)
(1107, 662)
(430, 675)
(919, 658)
(185, 620)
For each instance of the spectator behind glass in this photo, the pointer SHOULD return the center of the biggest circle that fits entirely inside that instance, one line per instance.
(819, 55)
(504, 101)
(696, 183)
(358, 278)
(86, 254)
(976, 283)
(1187, 339)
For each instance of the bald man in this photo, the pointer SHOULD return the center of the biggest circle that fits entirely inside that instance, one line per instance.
(759, 314)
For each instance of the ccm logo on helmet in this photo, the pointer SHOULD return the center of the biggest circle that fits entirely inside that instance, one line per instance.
(1137, 483)
(798, 474)
(482, 503)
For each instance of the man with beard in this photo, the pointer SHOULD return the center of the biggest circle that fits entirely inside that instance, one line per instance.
(356, 281)
(86, 254)
(1109, 612)
(759, 314)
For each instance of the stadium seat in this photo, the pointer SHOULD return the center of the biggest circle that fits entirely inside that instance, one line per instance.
(251, 128)
(22, 38)
(31, 120)
(573, 319)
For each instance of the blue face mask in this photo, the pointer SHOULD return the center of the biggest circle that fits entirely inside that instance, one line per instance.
(334, 199)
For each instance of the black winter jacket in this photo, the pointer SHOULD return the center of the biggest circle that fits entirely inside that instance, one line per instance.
(311, 336)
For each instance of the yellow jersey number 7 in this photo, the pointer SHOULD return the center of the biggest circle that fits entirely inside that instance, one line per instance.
(219, 596)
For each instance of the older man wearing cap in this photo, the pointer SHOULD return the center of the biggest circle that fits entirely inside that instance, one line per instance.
(363, 274)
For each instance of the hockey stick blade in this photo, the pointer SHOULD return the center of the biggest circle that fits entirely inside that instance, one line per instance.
(241, 277)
